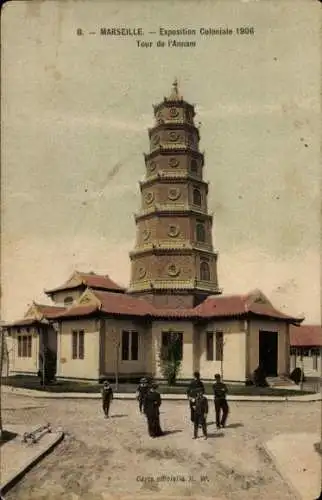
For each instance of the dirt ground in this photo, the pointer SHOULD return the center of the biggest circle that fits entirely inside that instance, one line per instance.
(117, 456)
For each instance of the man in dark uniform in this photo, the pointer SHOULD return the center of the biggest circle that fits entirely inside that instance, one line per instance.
(152, 403)
(107, 396)
(221, 405)
(141, 393)
(195, 385)
(200, 414)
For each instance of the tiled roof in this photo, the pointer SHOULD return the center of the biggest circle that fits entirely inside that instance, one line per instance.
(306, 335)
(26, 322)
(238, 305)
(79, 310)
(212, 307)
(49, 311)
(111, 303)
(91, 280)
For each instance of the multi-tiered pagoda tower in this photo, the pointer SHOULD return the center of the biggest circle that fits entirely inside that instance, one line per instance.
(173, 263)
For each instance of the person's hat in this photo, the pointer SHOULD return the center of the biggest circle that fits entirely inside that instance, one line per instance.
(217, 375)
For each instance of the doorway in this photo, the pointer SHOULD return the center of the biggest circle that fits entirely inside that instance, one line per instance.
(268, 352)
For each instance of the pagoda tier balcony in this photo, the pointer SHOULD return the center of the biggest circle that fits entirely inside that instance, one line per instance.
(174, 125)
(160, 284)
(169, 146)
(170, 149)
(171, 209)
(167, 102)
(173, 246)
(178, 175)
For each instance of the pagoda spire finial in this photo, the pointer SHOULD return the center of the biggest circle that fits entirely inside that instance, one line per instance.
(175, 92)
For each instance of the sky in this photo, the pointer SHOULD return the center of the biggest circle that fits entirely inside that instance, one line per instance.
(75, 114)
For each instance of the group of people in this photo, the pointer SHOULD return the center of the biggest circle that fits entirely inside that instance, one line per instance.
(149, 400)
(199, 407)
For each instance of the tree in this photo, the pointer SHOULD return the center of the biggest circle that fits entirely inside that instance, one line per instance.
(48, 363)
(170, 358)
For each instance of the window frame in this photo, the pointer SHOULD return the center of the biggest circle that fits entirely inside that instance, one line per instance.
(196, 197)
(194, 167)
(78, 344)
(201, 226)
(129, 350)
(24, 345)
(210, 354)
(219, 342)
(204, 276)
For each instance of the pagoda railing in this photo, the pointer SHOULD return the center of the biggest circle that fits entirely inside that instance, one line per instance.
(174, 284)
(205, 285)
(173, 244)
(173, 207)
(173, 174)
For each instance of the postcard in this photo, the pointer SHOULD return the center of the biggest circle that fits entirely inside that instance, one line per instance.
(160, 243)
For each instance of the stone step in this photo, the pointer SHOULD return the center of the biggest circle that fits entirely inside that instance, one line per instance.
(280, 381)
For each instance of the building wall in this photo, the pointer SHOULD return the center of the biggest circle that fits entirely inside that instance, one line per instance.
(310, 363)
(233, 365)
(149, 267)
(87, 368)
(146, 231)
(59, 297)
(173, 301)
(187, 329)
(19, 364)
(113, 336)
(268, 325)
(176, 229)
(167, 164)
(164, 193)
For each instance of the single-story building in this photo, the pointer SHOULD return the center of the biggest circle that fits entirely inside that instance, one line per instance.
(106, 331)
(306, 346)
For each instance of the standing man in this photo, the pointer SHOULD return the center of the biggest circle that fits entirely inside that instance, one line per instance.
(221, 405)
(195, 385)
(141, 393)
(200, 414)
(152, 403)
(107, 396)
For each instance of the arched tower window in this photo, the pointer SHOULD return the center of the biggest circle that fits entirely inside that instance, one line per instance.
(200, 232)
(194, 166)
(204, 271)
(196, 197)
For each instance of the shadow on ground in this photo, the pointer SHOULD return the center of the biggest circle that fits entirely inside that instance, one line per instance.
(6, 436)
(174, 431)
(216, 434)
(234, 426)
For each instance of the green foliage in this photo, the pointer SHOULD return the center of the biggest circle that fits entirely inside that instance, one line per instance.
(49, 365)
(170, 360)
